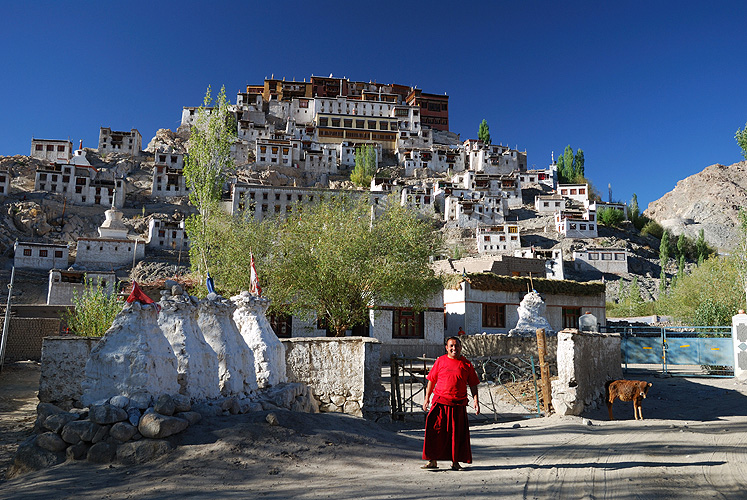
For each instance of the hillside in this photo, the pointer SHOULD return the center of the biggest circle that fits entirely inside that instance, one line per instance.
(708, 200)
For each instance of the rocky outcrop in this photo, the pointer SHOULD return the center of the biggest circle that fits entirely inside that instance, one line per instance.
(168, 142)
(709, 200)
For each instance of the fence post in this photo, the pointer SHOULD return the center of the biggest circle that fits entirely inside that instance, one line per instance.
(544, 369)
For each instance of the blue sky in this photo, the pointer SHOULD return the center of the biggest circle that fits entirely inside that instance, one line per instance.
(651, 91)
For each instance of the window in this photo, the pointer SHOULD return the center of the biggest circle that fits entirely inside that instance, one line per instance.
(606, 256)
(50, 147)
(407, 324)
(570, 317)
(494, 315)
(593, 256)
(61, 149)
(58, 254)
(27, 252)
(619, 256)
(282, 325)
(43, 253)
(39, 147)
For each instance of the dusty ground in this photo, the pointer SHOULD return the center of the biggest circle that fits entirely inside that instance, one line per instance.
(691, 445)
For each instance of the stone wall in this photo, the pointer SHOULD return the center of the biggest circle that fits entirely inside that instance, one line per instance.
(343, 373)
(63, 364)
(485, 344)
(585, 362)
(25, 337)
(739, 337)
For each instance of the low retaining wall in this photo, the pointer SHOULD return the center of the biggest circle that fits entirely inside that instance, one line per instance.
(495, 345)
(585, 362)
(343, 373)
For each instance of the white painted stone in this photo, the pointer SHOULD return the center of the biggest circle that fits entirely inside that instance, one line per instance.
(235, 359)
(531, 316)
(269, 353)
(133, 359)
(197, 361)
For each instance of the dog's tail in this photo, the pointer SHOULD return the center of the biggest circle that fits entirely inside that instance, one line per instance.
(607, 390)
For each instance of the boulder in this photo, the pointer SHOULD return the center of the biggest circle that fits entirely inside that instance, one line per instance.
(107, 414)
(138, 452)
(122, 431)
(79, 430)
(57, 421)
(101, 453)
(30, 457)
(154, 425)
(192, 417)
(77, 451)
(51, 441)
(165, 405)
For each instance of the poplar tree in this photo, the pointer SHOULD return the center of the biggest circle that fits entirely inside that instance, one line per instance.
(483, 133)
(365, 166)
(206, 167)
(741, 137)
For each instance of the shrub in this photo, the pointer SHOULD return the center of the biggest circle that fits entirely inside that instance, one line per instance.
(94, 311)
(610, 217)
(653, 228)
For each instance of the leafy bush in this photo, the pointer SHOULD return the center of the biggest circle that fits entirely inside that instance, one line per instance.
(653, 228)
(709, 296)
(610, 217)
(94, 311)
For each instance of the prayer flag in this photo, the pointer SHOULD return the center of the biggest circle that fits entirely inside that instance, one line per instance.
(256, 289)
(139, 295)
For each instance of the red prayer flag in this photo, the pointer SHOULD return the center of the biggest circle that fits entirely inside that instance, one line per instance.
(139, 295)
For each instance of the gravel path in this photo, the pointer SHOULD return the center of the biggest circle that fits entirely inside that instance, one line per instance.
(691, 445)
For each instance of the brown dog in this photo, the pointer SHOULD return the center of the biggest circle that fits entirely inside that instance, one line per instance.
(627, 390)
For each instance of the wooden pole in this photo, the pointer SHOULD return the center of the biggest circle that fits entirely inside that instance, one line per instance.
(544, 370)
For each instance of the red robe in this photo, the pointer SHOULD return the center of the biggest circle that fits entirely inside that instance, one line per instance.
(446, 425)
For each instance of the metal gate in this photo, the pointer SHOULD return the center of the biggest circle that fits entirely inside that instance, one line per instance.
(679, 350)
(408, 383)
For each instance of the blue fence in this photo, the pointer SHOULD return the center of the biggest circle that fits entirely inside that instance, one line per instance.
(693, 350)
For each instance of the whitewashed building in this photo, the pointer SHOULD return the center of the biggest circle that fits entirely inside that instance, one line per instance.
(598, 205)
(605, 260)
(112, 141)
(553, 259)
(576, 223)
(265, 201)
(546, 177)
(80, 183)
(168, 175)
(55, 151)
(40, 255)
(64, 284)
(498, 239)
(548, 203)
(113, 248)
(4, 181)
(487, 303)
(419, 197)
(401, 330)
(167, 234)
(493, 159)
(576, 192)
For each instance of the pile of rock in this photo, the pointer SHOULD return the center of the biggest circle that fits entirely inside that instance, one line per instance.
(127, 431)
(120, 429)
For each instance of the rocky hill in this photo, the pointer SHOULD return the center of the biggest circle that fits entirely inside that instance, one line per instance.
(708, 200)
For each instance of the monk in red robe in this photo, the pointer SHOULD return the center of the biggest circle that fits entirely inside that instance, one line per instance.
(446, 424)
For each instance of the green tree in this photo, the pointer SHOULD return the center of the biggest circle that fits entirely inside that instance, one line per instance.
(483, 133)
(610, 217)
(741, 137)
(681, 249)
(634, 210)
(571, 166)
(740, 252)
(710, 295)
(94, 311)
(208, 163)
(664, 250)
(662, 282)
(365, 166)
(336, 261)
(701, 247)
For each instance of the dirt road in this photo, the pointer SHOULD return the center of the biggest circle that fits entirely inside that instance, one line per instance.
(691, 445)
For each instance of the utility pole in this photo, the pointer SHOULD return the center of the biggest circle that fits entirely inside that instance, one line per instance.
(6, 323)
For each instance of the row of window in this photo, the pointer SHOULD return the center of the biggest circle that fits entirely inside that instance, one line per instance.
(50, 147)
(43, 252)
(606, 256)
